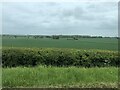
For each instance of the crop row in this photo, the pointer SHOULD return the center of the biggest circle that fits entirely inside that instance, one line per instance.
(12, 57)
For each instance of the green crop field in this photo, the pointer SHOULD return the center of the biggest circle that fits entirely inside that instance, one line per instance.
(81, 43)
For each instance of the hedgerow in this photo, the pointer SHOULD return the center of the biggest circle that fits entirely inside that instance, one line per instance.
(12, 57)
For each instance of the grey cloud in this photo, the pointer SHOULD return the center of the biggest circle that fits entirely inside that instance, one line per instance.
(108, 25)
(76, 12)
(60, 18)
(102, 7)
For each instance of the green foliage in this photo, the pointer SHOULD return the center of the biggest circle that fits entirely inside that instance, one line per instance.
(12, 57)
(55, 37)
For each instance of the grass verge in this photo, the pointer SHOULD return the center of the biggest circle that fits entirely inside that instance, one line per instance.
(45, 77)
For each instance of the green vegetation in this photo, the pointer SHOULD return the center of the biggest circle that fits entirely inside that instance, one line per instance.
(60, 77)
(60, 61)
(81, 43)
(13, 57)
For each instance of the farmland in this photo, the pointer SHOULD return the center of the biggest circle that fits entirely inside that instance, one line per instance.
(63, 62)
(81, 43)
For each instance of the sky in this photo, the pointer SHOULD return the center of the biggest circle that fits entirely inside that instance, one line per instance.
(60, 18)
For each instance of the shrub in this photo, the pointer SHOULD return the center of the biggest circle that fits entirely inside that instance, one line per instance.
(12, 57)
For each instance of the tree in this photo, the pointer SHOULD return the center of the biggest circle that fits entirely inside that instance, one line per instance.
(55, 37)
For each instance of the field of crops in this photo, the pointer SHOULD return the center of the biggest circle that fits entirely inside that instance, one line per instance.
(47, 62)
(81, 43)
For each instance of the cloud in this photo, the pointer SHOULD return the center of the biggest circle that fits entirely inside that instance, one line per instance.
(60, 18)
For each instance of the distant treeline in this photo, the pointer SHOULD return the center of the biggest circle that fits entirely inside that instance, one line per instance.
(57, 36)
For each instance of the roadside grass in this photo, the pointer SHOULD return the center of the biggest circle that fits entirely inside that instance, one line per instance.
(44, 77)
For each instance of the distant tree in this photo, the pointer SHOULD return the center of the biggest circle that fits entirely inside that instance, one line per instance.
(36, 37)
(75, 38)
(55, 37)
(48, 36)
(15, 36)
(118, 37)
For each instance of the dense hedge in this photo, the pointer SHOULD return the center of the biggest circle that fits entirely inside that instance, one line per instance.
(12, 57)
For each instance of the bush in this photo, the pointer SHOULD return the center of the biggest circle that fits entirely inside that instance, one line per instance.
(12, 57)
(55, 37)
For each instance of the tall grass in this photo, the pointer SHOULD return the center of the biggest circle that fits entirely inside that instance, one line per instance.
(42, 76)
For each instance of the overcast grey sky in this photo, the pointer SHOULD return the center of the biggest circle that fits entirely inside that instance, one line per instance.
(48, 18)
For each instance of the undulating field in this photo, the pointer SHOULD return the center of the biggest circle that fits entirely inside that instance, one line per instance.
(82, 43)
(60, 77)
